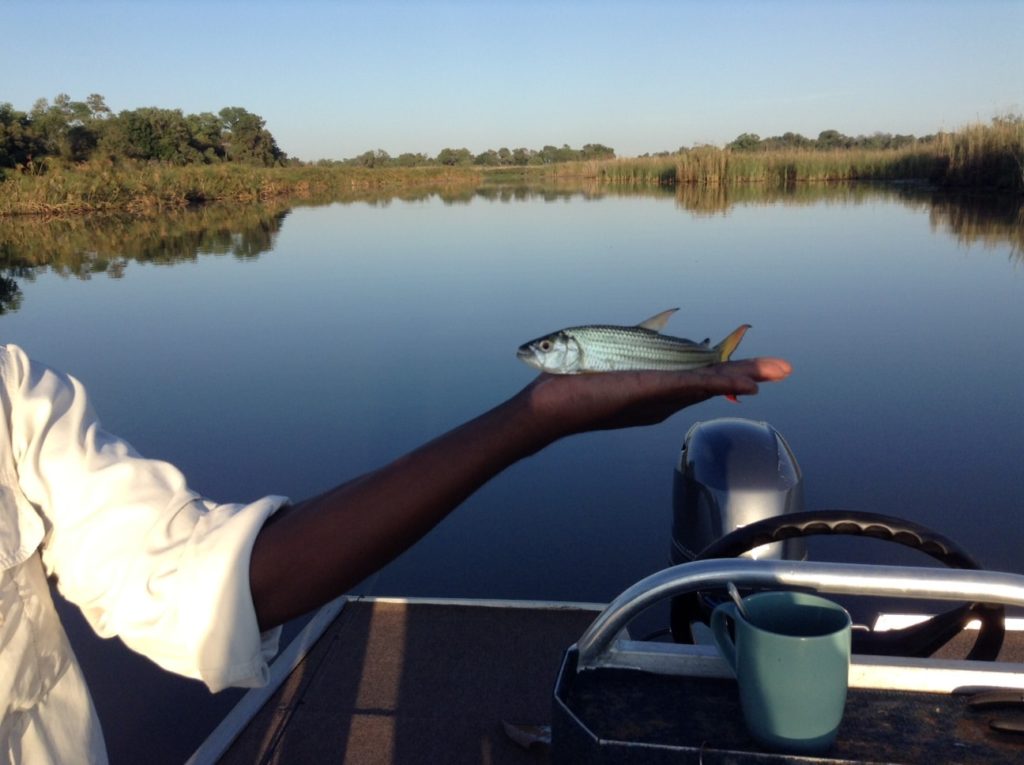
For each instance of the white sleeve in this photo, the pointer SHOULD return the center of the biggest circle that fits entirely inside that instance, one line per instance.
(143, 556)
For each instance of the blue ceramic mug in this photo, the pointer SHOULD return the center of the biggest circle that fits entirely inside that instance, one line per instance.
(792, 663)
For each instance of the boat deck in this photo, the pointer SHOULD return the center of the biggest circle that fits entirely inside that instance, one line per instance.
(406, 681)
(414, 682)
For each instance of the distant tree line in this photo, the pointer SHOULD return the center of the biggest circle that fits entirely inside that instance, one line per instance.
(826, 140)
(71, 132)
(78, 131)
(502, 157)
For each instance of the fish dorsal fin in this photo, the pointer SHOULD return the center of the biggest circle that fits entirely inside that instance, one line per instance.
(656, 322)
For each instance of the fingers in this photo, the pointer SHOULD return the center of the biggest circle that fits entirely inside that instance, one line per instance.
(773, 369)
(740, 377)
(585, 402)
(765, 369)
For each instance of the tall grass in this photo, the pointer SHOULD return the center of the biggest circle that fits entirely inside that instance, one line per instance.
(991, 155)
(979, 156)
(711, 166)
(140, 187)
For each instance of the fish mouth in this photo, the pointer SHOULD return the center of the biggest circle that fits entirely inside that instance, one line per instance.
(527, 356)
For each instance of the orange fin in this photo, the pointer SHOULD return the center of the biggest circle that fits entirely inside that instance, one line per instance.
(731, 343)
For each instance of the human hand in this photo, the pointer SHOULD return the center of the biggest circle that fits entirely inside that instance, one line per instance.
(567, 404)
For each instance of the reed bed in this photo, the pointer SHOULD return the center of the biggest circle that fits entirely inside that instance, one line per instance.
(992, 155)
(143, 187)
(980, 156)
(711, 166)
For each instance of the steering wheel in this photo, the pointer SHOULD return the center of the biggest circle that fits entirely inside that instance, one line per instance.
(922, 639)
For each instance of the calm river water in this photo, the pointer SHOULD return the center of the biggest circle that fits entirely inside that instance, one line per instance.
(276, 350)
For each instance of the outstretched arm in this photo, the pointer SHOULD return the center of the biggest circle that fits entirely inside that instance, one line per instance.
(318, 549)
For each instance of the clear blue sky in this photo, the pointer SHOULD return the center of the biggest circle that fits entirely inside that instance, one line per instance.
(333, 79)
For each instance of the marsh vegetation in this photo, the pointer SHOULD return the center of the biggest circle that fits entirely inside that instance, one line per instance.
(73, 157)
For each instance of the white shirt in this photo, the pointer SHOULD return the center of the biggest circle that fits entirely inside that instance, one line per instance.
(144, 557)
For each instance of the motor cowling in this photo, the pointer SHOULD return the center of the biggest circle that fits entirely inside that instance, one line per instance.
(732, 472)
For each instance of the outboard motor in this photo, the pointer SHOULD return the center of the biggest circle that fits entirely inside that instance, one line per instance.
(733, 472)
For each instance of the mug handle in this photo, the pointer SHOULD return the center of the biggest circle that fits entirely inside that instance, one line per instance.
(720, 631)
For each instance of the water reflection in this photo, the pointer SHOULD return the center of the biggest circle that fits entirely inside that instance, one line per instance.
(720, 200)
(84, 245)
(990, 221)
(10, 295)
(102, 244)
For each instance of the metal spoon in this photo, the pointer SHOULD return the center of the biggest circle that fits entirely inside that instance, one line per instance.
(735, 595)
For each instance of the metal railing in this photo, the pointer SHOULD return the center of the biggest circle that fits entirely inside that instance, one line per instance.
(596, 645)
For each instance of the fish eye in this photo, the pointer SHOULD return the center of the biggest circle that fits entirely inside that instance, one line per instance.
(545, 345)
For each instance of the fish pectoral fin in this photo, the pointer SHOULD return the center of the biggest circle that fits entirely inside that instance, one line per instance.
(656, 322)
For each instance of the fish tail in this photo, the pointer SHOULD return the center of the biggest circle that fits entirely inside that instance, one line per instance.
(725, 348)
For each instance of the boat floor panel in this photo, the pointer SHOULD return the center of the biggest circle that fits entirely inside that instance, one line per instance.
(408, 682)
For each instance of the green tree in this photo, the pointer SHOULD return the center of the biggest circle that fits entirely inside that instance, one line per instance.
(523, 156)
(408, 159)
(795, 141)
(151, 133)
(50, 125)
(378, 158)
(551, 154)
(745, 142)
(206, 136)
(833, 139)
(487, 158)
(18, 143)
(247, 139)
(97, 106)
(597, 151)
(72, 131)
(454, 157)
(67, 129)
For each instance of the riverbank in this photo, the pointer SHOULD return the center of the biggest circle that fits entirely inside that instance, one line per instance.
(147, 187)
(982, 157)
